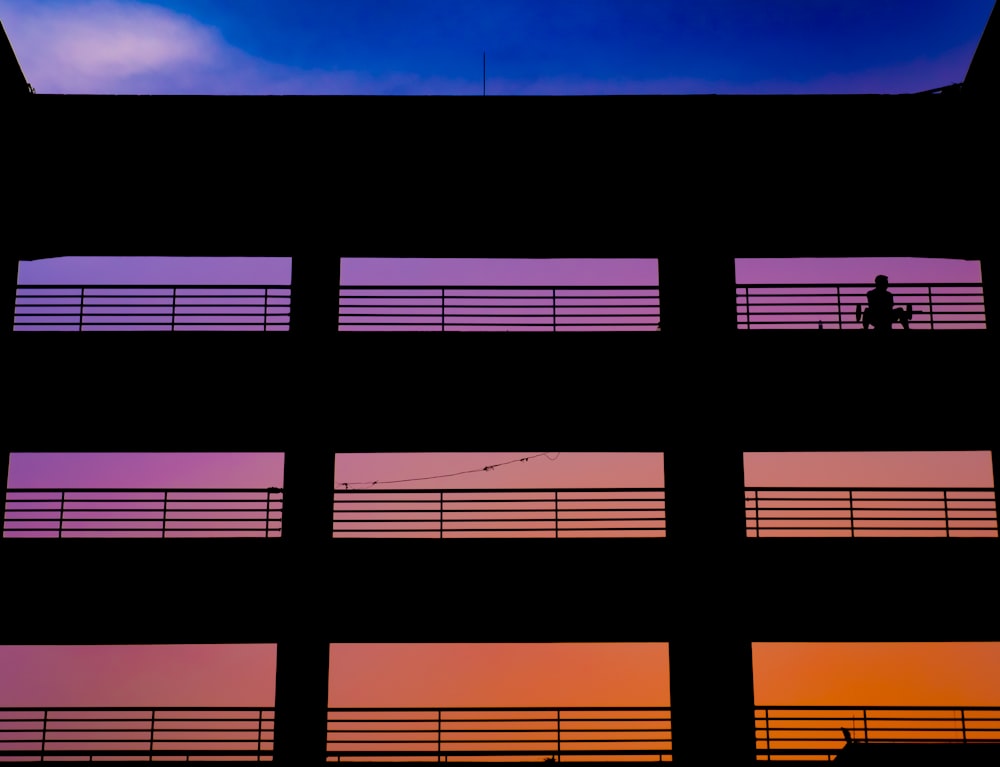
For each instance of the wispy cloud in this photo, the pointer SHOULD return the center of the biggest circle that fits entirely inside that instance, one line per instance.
(128, 47)
(122, 47)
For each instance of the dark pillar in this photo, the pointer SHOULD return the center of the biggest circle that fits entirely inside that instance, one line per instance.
(711, 695)
(300, 701)
(8, 287)
(315, 294)
(991, 293)
(711, 671)
(6, 484)
(303, 653)
(698, 301)
(711, 668)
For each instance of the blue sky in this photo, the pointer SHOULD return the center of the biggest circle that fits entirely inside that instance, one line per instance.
(531, 47)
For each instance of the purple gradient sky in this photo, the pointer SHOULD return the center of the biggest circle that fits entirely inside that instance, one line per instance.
(558, 47)
(411, 271)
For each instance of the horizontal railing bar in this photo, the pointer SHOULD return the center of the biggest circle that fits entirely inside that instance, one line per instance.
(497, 491)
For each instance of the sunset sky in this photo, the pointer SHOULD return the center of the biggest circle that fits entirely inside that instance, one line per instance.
(430, 47)
(626, 674)
(486, 675)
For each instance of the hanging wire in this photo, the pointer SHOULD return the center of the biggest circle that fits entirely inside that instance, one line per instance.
(490, 467)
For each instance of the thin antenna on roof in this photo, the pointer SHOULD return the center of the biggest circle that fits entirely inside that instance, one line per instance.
(484, 73)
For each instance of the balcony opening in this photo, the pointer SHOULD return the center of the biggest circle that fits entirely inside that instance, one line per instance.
(831, 293)
(143, 495)
(947, 493)
(811, 698)
(498, 495)
(499, 294)
(137, 702)
(153, 293)
(499, 702)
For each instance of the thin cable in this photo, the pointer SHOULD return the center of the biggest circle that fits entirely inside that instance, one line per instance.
(491, 467)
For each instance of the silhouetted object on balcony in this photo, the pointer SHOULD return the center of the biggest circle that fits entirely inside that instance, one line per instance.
(880, 312)
(847, 735)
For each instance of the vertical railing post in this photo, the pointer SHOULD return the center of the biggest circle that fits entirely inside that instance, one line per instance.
(840, 311)
(260, 731)
(173, 308)
(850, 509)
(947, 522)
(964, 733)
(267, 511)
(441, 514)
(439, 755)
(163, 520)
(756, 512)
(767, 732)
(864, 722)
(152, 732)
(930, 306)
(267, 293)
(62, 511)
(558, 735)
(555, 312)
(45, 729)
(746, 305)
(443, 310)
(555, 501)
(83, 289)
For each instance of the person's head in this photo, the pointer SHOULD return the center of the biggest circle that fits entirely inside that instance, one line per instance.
(881, 281)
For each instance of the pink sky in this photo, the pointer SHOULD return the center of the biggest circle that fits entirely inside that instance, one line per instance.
(276, 270)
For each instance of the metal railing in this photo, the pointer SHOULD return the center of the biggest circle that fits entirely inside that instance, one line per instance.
(443, 734)
(824, 512)
(139, 734)
(499, 308)
(151, 307)
(936, 306)
(818, 732)
(142, 513)
(499, 513)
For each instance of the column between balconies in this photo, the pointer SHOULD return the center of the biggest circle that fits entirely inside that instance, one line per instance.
(303, 657)
(315, 294)
(711, 667)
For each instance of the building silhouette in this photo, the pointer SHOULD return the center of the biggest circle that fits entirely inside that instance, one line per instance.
(693, 181)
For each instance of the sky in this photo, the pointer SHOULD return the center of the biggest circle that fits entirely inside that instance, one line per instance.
(402, 270)
(467, 675)
(496, 47)
(560, 674)
(941, 307)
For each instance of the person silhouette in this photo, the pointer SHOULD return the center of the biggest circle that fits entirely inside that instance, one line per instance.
(880, 312)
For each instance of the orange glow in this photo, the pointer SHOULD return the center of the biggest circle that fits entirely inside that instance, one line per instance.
(493, 674)
(877, 674)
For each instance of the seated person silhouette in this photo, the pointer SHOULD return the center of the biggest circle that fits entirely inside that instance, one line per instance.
(880, 312)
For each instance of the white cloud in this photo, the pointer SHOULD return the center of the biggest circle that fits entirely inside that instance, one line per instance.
(125, 47)
(98, 47)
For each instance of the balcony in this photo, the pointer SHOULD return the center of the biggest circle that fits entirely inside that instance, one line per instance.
(500, 513)
(898, 512)
(136, 734)
(830, 306)
(567, 734)
(142, 513)
(820, 733)
(147, 307)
